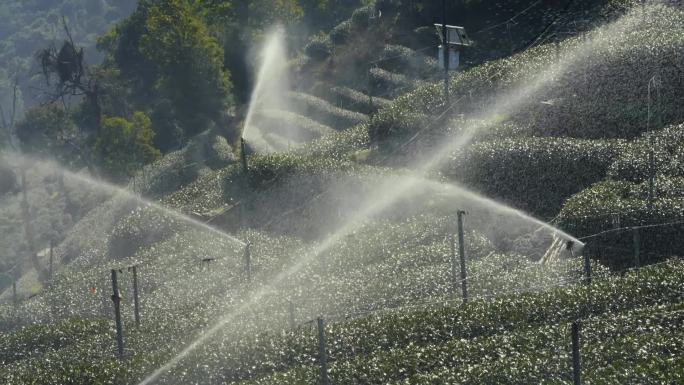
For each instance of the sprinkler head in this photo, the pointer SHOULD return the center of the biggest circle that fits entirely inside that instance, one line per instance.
(569, 245)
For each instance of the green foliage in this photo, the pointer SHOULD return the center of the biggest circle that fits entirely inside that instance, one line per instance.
(397, 58)
(341, 33)
(324, 112)
(349, 98)
(583, 99)
(124, 146)
(29, 26)
(667, 146)
(175, 65)
(47, 130)
(295, 125)
(319, 48)
(621, 204)
(8, 180)
(189, 62)
(389, 84)
(534, 174)
(419, 346)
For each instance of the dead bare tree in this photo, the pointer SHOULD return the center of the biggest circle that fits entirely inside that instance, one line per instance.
(66, 65)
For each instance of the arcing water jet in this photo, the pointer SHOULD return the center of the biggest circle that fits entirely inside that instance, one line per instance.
(387, 193)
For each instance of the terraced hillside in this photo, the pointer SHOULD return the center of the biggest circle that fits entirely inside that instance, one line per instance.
(357, 226)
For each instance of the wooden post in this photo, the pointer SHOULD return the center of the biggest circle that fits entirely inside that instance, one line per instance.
(136, 295)
(322, 352)
(637, 245)
(461, 252)
(116, 298)
(576, 368)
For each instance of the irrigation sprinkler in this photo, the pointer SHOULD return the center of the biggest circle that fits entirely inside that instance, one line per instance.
(576, 364)
(322, 352)
(243, 156)
(461, 254)
(116, 298)
(136, 300)
(206, 262)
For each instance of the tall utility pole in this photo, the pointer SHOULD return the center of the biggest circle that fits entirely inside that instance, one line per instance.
(445, 53)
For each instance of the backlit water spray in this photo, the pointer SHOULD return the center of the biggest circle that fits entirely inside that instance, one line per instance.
(272, 84)
(114, 190)
(388, 193)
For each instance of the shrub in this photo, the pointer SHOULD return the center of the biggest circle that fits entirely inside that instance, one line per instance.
(360, 18)
(298, 125)
(611, 204)
(324, 112)
(349, 98)
(143, 227)
(340, 34)
(319, 48)
(397, 58)
(668, 155)
(534, 174)
(8, 180)
(389, 84)
(124, 146)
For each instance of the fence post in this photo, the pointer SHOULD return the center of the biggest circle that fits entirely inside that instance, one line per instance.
(461, 252)
(322, 352)
(136, 298)
(576, 369)
(116, 298)
(637, 247)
